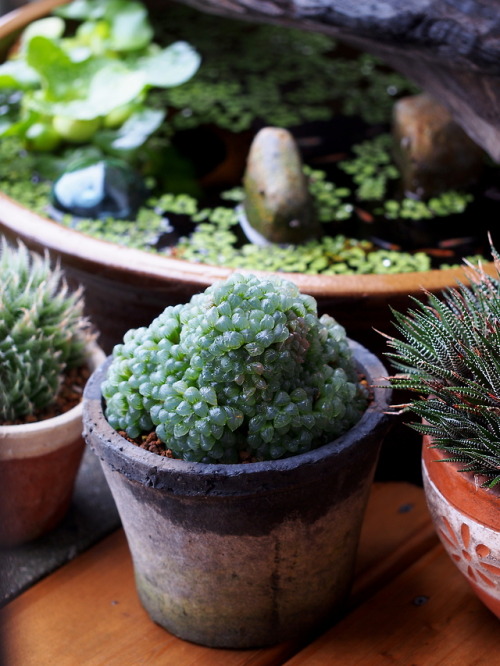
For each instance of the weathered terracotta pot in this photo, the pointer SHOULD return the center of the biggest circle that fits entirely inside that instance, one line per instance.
(127, 288)
(38, 466)
(242, 555)
(467, 520)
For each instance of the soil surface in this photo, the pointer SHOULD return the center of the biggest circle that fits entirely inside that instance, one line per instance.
(152, 443)
(149, 442)
(70, 394)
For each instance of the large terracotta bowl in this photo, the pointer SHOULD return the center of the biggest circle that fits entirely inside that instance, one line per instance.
(126, 288)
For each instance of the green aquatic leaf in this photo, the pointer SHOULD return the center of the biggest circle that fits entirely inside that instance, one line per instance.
(111, 87)
(101, 73)
(171, 66)
(61, 78)
(9, 127)
(96, 86)
(18, 74)
(133, 133)
(82, 10)
(101, 90)
(51, 27)
(130, 27)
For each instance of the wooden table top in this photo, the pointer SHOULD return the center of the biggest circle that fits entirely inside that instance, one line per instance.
(409, 606)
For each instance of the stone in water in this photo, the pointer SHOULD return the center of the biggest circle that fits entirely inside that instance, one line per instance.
(277, 206)
(99, 189)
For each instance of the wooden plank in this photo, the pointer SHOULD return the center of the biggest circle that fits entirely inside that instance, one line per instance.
(88, 611)
(425, 617)
(396, 532)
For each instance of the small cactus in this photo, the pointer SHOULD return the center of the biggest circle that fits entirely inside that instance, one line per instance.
(42, 332)
(246, 369)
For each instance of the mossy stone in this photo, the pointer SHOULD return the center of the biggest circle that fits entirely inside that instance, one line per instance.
(277, 202)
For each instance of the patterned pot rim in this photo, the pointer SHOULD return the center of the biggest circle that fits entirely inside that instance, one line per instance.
(462, 489)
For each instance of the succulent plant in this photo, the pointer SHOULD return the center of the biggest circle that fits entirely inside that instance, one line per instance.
(450, 357)
(246, 369)
(42, 331)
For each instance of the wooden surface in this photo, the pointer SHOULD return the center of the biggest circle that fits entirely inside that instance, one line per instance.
(409, 606)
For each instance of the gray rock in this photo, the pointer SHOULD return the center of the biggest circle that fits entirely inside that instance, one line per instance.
(433, 152)
(277, 203)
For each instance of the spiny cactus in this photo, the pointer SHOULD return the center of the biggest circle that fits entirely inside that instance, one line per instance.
(246, 367)
(450, 356)
(41, 331)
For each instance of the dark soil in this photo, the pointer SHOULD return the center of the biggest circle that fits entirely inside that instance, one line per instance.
(151, 443)
(70, 394)
(148, 442)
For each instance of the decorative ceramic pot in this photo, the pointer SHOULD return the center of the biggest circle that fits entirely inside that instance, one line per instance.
(127, 288)
(242, 555)
(467, 520)
(38, 466)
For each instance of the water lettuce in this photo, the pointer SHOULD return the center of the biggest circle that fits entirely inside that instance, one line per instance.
(92, 84)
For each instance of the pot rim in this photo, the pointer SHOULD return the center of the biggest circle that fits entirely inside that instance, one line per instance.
(461, 489)
(431, 455)
(97, 255)
(26, 440)
(138, 463)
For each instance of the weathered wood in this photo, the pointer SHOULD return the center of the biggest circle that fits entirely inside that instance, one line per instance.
(450, 48)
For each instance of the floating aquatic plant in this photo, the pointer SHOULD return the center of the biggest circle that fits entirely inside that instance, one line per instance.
(214, 237)
(91, 85)
(298, 76)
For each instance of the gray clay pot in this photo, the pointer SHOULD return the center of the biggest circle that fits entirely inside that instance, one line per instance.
(243, 555)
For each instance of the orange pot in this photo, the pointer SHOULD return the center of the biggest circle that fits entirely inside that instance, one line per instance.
(38, 467)
(467, 520)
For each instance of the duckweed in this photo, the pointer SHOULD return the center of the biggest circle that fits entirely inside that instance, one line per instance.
(447, 203)
(372, 168)
(216, 237)
(283, 86)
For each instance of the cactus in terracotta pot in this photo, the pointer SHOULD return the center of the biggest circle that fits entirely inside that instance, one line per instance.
(44, 338)
(448, 354)
(42, 332)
